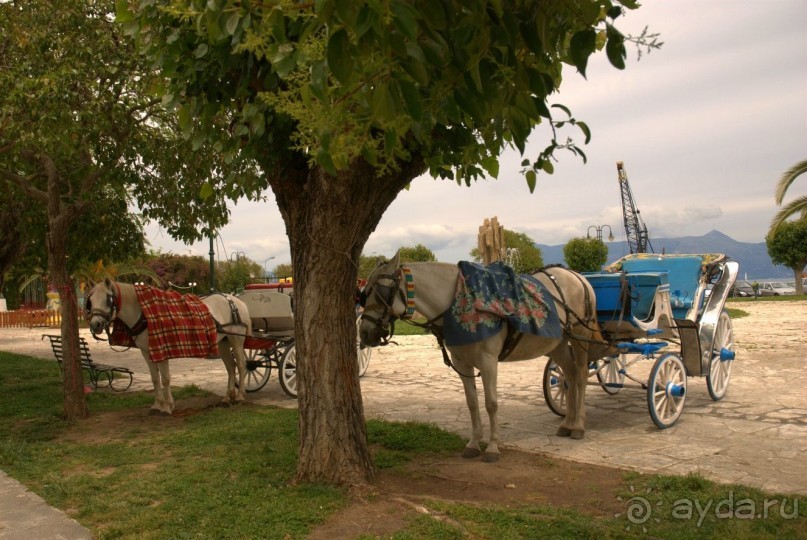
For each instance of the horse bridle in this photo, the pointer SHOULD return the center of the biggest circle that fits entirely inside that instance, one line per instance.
(384, 295)
(109, 315)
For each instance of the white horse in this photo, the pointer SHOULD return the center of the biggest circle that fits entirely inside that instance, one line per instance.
(434, 286)
(111, 300)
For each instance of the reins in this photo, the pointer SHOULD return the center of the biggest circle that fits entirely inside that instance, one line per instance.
(589, 315)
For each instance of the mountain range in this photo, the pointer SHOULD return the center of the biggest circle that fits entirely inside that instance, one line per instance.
(755, 263)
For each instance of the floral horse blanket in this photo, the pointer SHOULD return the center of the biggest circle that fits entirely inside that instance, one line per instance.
(488, 297)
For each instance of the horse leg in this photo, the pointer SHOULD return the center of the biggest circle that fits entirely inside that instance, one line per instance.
(489, 382)
(157, 407)
(165, 378)
(576, 378)
(227, 358)
(472, 449)
(161, 380)
(241, 366)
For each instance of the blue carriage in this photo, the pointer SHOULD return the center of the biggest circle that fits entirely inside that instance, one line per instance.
(667, 308)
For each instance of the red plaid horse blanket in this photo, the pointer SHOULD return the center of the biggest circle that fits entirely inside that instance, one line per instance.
(179, 326)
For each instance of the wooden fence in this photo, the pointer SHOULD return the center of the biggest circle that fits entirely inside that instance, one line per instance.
(30, 318)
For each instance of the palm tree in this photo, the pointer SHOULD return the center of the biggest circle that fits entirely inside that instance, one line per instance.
(796, 206)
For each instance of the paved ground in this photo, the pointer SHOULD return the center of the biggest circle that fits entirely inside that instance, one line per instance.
(756, 435)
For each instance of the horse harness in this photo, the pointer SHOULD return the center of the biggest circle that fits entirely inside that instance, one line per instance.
(385, 296)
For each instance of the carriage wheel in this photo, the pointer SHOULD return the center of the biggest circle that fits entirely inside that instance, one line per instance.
(611, 373)
(288, 371)
(717, 380)
(258, 369)
(555, 388)
(363, 354)
(666, 390)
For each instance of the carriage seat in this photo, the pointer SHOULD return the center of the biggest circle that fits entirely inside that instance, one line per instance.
(684, 277)
(631, 296)
(270, 311)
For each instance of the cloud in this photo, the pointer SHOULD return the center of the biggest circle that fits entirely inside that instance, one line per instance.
(705, 126)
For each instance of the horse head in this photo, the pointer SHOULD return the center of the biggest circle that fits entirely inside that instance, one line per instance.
(101, 306)
(383, 301)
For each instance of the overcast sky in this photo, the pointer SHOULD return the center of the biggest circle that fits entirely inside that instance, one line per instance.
(705, 126)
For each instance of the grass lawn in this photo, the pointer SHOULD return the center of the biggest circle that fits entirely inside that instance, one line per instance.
(226, 473)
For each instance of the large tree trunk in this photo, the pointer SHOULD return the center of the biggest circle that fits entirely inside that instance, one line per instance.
(75, 402)
(328, 220)
(60, 217)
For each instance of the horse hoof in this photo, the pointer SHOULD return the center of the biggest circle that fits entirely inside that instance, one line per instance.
(489, 457)
(577, 434)
(469, 453)
(224, 404)
(563, 432)
(155, 412)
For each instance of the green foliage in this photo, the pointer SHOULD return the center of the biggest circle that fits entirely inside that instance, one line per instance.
(368, 263)
(585, 254)
(237, 272)
(177, 269)
(523, 255)
(282, 271)
(418, 253)
(451, 81)
(527, 258)
(66, 120)
(797, 205)
(787, 245)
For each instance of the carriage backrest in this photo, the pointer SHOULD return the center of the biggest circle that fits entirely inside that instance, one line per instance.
(270, 311)
(685, 273)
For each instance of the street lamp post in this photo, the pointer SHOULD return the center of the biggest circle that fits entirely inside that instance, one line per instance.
(264, 267)
(212, 266)
(598, 230)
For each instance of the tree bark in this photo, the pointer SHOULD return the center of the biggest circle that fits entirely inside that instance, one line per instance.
(75, 401)
(328, 221)
(60, 216)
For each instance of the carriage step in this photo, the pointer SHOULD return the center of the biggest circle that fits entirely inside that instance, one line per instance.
(645, 349)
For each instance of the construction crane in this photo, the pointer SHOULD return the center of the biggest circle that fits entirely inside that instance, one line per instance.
(635, 229)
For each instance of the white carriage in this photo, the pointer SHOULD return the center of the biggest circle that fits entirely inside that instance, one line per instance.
(656, 307)
(272, 342)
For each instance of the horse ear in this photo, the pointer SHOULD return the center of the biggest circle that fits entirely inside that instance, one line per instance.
(108, 283)
(396, 260)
